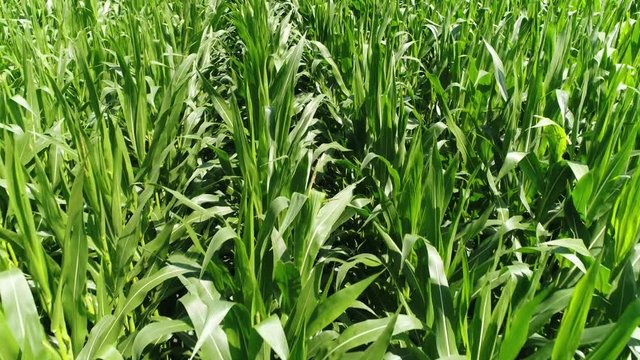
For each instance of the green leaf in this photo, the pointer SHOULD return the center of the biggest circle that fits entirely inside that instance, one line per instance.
(22, 315)
(618, 338)
(579, 170)
(221, 236)
(209, 331)
(377, 350)
(332, 307)
(157, 332)
(581, 194)
(74, 265)
(368, 331)
(10, 348)
(499, 71)
(273, 334)
(322, 226)
(21, 208)
(573, 320)
(108, 328)
(510, 162)
(518, 331)
(626, 219)
(442, 302)
(206, 317)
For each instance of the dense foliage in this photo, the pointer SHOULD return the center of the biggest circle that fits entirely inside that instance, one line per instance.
(319, 179)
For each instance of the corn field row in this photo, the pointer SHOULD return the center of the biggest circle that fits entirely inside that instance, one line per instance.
(319, 179)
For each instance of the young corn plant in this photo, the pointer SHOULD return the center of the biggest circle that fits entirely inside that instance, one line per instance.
(341, 179)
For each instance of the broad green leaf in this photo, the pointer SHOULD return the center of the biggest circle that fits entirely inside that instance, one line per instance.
(377, 350)
(579, 170)
(626, 219)
(329, 309)
(366, 259)
(21, 314)
(617, 339)
(11, 349)
(581, 194)
(221, 236)
(21, 208)
(518, 331)
(510, 162)
(322, 226)
(499, 71)
(211, 329)
(206, 316)
(369, 330)
(573, 320)
(108, 328)
(442, 301)
(74, 265)
(157, 332)
(273, 334)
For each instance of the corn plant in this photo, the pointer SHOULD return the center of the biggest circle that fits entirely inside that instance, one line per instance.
(337, 179)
